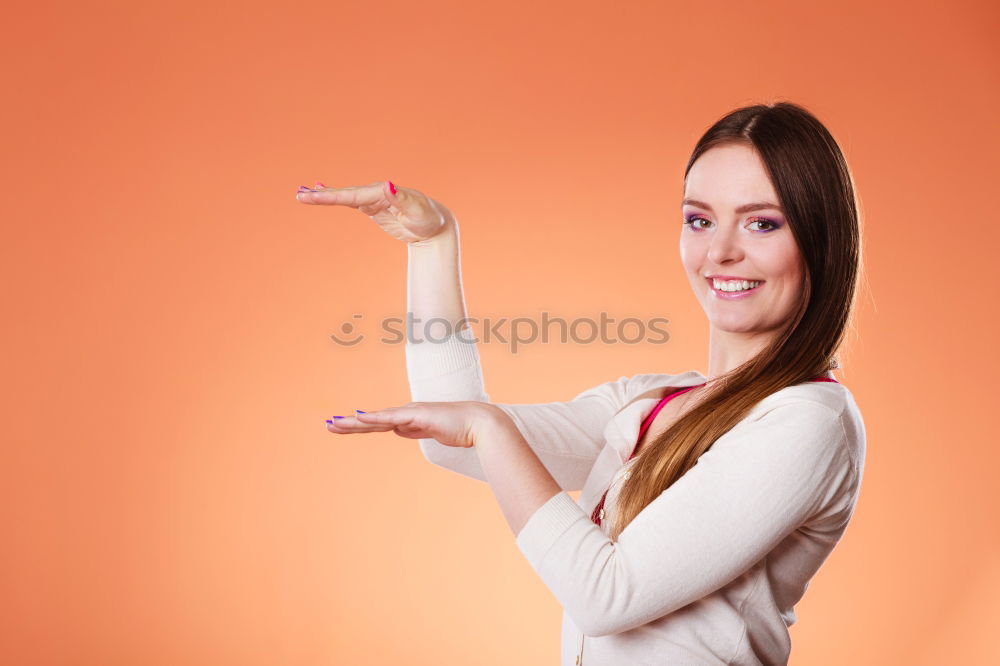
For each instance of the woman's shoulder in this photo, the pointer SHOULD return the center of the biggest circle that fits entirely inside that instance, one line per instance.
(822, 397)
(834, 396)
(826, 402)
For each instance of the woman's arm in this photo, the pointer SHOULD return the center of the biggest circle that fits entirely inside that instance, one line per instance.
(443, 366)
(565, 436)
(434, 283)
(753, 488)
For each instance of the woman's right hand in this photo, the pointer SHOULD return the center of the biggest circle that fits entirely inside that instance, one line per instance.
(408, 215)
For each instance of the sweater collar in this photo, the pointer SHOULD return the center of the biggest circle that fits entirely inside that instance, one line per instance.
(623, 429)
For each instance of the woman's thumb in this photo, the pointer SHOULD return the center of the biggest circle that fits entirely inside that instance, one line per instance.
(393, 193)
(399, 198)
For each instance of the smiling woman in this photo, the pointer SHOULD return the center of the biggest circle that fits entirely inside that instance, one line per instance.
(701, 520)
(717, 239)
(804, 255)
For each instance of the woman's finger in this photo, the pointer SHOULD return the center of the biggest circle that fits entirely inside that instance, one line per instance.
(413, 432)
(394, 416)
(350, 424)
(354, 196)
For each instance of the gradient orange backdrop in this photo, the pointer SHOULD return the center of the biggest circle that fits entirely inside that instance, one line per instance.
(170, 494)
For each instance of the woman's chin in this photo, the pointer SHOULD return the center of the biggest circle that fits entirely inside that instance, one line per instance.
(732, 324)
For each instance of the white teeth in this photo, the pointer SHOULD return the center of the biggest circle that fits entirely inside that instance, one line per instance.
(734, 285)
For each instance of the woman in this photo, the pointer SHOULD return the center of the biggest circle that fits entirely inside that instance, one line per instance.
(707, 502)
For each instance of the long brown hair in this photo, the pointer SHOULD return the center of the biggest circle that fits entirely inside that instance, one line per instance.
(815, 188)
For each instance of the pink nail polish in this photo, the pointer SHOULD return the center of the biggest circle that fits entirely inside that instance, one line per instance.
(319, 184)
(392, 188)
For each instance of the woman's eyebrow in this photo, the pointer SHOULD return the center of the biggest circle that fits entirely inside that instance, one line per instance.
(745, 208)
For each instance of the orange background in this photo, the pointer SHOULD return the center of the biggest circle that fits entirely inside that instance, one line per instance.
(170, 494)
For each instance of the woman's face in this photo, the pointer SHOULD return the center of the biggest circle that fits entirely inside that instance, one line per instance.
(723, 236)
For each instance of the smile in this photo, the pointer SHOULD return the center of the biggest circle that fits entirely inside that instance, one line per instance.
(733, 289)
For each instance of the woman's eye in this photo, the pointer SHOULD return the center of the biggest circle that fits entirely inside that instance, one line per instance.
(692, 222)
(771, 226)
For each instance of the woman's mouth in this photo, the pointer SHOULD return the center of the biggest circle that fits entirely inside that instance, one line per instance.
(732, 290)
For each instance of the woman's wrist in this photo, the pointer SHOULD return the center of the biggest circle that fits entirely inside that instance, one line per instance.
(445, 237)
(494, 425)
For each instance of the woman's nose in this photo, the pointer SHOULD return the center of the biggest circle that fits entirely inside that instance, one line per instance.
(725, 247)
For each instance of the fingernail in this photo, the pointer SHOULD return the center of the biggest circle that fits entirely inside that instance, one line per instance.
(319, 184)
(392, 188)
(338, 417)
(360, 412)
(329, 421)
(304, 188)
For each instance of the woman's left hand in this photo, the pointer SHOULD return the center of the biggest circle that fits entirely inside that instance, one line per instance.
(460, 424)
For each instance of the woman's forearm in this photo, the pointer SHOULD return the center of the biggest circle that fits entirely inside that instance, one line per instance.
(434, 284)
(440, 365)
(519, 480)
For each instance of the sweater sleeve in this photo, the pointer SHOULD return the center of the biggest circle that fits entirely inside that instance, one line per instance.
(566, 436)
(756, 485)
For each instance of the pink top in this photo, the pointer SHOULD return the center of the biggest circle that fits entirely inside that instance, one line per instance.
(596, 515)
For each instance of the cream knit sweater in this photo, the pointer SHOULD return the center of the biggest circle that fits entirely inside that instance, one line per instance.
(710, 571)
